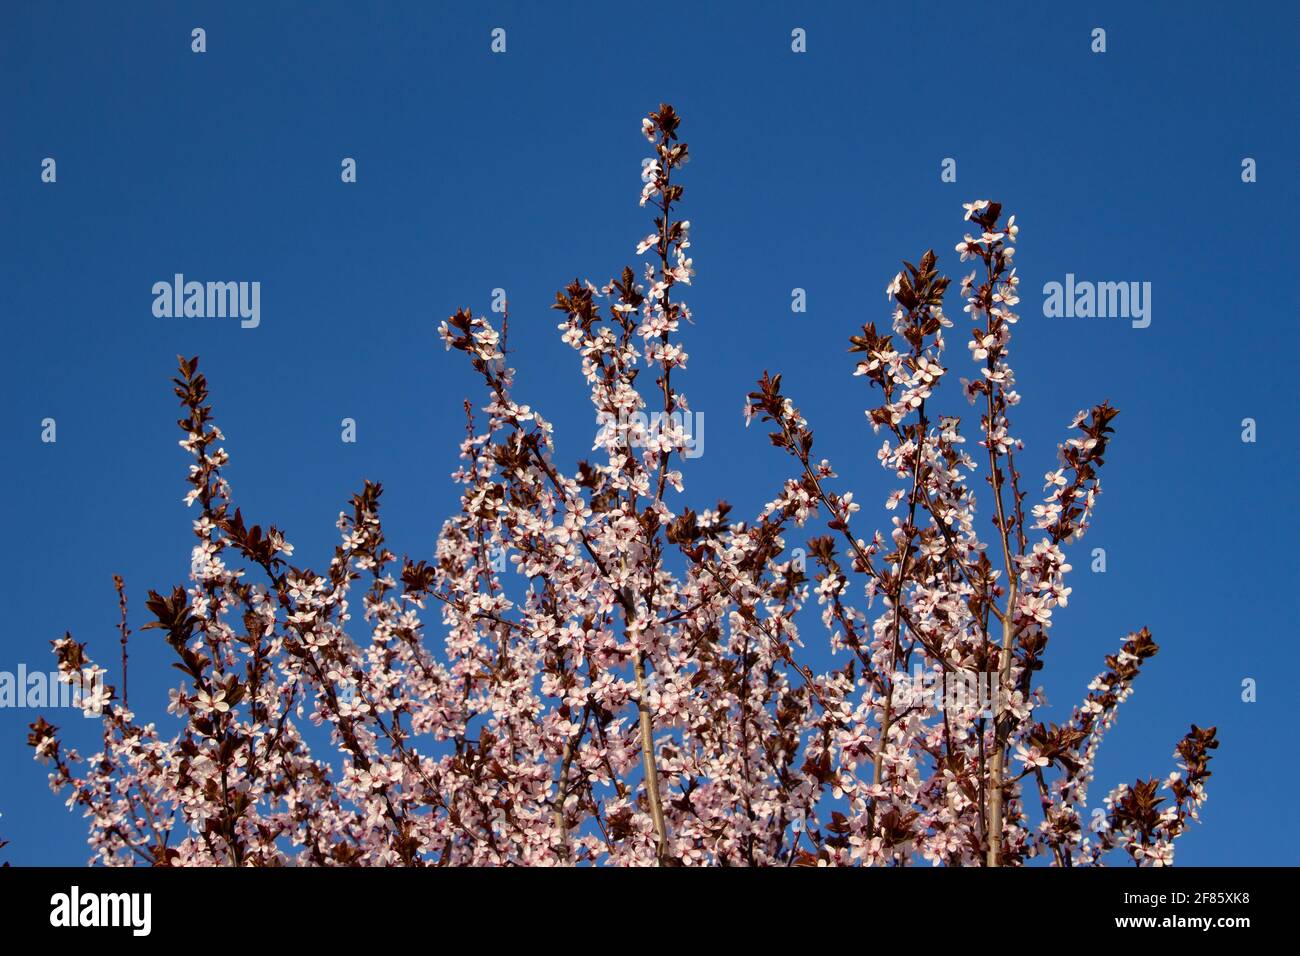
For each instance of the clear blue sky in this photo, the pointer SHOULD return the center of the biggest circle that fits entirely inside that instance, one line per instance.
(521, 170)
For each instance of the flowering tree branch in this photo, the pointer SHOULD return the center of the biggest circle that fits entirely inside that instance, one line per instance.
(616, 676)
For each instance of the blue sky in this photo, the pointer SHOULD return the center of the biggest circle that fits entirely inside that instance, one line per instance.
(520, 171)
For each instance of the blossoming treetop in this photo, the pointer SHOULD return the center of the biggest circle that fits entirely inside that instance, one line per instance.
(641, 699)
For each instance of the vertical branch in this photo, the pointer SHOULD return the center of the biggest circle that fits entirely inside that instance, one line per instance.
(663, 123)
(562, 782)
(998, 762)
(887, 719)
(648, 759)
(125, 631)
(993, 343)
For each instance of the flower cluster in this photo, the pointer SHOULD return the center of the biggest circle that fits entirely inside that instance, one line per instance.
(614, 677)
